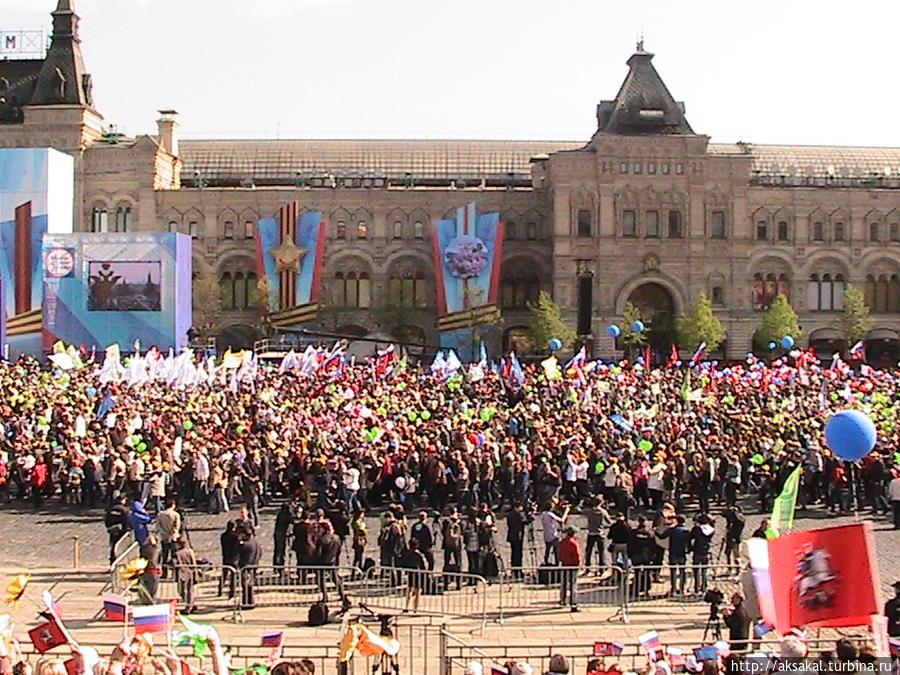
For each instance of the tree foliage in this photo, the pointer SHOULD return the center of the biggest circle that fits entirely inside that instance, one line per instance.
(546, 322)
(629, 337)
(208, 304)
(778, 321)
(854, 323)
(701, 325)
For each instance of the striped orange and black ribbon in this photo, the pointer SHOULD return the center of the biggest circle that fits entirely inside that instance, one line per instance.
(288, 215)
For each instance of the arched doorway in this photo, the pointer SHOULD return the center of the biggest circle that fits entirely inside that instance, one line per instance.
(236, 337)
(826, 342)
(882, 348)
(657, 308)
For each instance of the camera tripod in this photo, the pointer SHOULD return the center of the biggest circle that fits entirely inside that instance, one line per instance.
(713, 623)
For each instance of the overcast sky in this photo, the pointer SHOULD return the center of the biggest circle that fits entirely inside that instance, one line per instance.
(790, 71)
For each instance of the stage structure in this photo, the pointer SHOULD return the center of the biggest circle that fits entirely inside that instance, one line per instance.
(101, 289)
(289, 253)
(36, 197)
(467, 252)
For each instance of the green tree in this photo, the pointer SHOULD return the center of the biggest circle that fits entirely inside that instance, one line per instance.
(701, 325)
(778, 321)
(207, 301)
(854, 323)
(546, 322)
(629, 337)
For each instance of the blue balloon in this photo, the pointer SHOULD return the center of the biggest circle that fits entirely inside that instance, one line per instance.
(91, 391)
(613, 331)
(639, 360)
(638, 326)
(787, 342)
(850, 434)
(555, 345)
(678, 364)
(772, 345)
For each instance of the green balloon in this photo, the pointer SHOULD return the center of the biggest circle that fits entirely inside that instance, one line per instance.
(188, 425)
(485, 415)
(411, 416)
(425, 415)
(381, 411)
(372, 434)
(241, 429)
(142, 447)
(42, 421)
(645, 445)
(757, 459)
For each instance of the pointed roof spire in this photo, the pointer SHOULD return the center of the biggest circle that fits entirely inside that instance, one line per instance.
(643, 104)
(62, 78)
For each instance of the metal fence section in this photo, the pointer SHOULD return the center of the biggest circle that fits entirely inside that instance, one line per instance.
(205, 587)
(450, 594)
(688, 583)
(298, 586)
(527, 590)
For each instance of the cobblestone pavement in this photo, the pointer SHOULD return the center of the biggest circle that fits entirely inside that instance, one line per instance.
(44, 538)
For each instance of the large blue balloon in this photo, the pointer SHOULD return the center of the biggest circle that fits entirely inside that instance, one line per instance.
(555, 345)
(772, 345)
(787, 342)
(613, 331)
(638, 326)
(850, 434)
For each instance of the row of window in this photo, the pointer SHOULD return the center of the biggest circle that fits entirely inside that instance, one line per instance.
(239, 290)
(122, 219)
(654, 224)
(651, 168)
(825, 292)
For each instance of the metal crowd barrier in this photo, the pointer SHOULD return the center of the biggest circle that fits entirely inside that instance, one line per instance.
(299, 586)
(688, 583)
(204, 587)
(526, 590)
(449, 594)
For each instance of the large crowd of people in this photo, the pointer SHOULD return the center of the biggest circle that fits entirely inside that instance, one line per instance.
(441, 455)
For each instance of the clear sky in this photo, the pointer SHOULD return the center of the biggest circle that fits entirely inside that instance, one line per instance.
(791, 71)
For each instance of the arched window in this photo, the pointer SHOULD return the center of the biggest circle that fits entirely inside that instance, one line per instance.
(765, 288)
(518, 289)
(873, 232)
(818, 232)
(99, 219)
(240, 291)
(839, 232)
(252, 291)
(584, 223)
(531, 230)
(762, 230)
(340, 230)
(518, 339)
(226, 285)
(511, 230)
(228, 230)
(194, 229)
(249, 229)
(362, 230)
(408, 290)
(783, 231)
(651, 224)
(172, 226)
(825, 293)
(629, 223)
(123, 219)
(419, 229)
(353, 290)
(895, 232)
(675, 229)
(397, 229)
(717, 228)
(883, 293)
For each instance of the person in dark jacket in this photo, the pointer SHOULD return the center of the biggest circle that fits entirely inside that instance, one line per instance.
(738, 621)
(640, 551)
(700, 545)
(249, 555)
(283, 523)
(116, 522)
(619, 536)
(328, 554)
(597, 520)
(679, 539)
(422, 533)
(516, 524)
(228, 541)
(152, 553)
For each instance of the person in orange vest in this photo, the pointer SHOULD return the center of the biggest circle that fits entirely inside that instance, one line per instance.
(571, 558)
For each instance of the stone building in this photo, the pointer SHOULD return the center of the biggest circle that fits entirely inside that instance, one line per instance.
(646, 210)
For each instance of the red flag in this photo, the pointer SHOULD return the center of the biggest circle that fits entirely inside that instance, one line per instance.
(47, 636)
(648, 357)
(71, 666)
(673, 357)
(823, 578)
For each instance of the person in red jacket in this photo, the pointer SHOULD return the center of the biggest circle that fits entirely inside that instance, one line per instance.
(571, 558)
(39, 477)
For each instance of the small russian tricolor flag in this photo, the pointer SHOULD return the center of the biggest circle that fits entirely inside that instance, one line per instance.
(151, 618)
(114, 607)
(272, 638)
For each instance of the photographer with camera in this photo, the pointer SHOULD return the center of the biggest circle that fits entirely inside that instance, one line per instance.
(738, 621)
(551, 522)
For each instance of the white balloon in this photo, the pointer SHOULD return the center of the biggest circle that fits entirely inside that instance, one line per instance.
(80, 427)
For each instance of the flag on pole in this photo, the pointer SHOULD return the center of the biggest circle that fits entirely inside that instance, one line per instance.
(272, 638)
(195, 634)
(673, 357)
(783, 510)
(115, 607)
(47, 636)
(700, 354)
(858, 351)
(151, 618)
